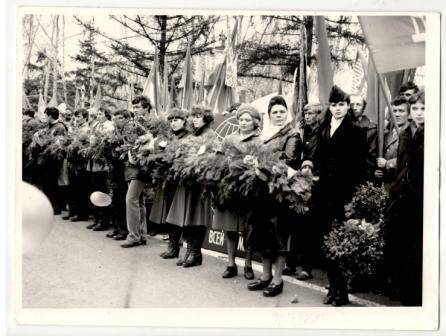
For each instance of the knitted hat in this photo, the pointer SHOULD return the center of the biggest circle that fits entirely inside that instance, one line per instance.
(251, 110)
(307, 163)
(337, 95)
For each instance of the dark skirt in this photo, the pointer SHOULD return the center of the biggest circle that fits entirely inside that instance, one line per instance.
(269, 232)
(161, 204)
(228, 221)
(190, 208)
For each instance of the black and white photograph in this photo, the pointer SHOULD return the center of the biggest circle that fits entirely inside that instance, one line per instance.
(266, 168)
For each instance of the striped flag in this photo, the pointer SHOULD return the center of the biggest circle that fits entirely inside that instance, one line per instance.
(360, 68)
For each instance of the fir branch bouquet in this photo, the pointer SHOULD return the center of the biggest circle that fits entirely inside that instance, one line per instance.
(56, 149)
(41, 140)
(188, 161)
(77, 150)
(357, 244)
(290, 187)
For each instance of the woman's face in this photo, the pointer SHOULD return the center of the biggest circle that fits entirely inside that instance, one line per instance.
(417, 113)
(339, 109)
(278, 115)
(197, 120)
(177, 124)
(246, 123)
(101, 116)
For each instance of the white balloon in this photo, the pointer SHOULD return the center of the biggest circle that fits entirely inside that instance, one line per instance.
(37, 218)
(100, 199)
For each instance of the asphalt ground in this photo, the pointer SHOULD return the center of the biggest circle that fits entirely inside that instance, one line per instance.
(79, 268)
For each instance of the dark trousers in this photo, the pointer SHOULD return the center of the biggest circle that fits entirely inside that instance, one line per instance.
(80, 182)
(117, 209)
(50, 186)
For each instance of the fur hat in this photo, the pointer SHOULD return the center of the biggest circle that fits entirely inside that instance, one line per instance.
(276, 100)
(176, 113)
(337, 95)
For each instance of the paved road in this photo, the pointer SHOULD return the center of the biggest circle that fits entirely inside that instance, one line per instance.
(79, 268)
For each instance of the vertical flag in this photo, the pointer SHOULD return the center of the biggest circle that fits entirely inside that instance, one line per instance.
(53, 102)
(41, 106)
(201, 89)
(325, 71)
(302, 87)
(222, 95)
(76, 99)
(152, 84)
(186, 83)
(359, 81)
(172, 99)
(395, 42)
(83, 96)
(165, 86)
(98, 98)
(130, 96)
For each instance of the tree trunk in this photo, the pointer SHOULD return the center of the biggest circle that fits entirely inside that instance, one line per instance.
(162, 48)
(56, 47)
(63, 62)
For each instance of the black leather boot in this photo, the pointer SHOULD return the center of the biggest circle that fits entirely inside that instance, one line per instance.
(181, 261)
(174, 243)
(195, 257)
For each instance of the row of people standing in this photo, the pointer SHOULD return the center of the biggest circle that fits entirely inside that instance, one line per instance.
(337, 150)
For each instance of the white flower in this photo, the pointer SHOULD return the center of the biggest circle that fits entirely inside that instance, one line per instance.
(201, 150)
(163, 144)
(250, 160)
(290, 172)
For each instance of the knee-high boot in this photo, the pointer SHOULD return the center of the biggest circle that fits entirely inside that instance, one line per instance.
(173, 249)
(197, 237)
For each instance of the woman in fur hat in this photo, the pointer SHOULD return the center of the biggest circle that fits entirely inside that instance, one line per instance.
(190, 209)
(250, 123)
(164, 195)
(342, 153)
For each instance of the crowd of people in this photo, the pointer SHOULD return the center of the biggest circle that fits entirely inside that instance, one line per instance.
(338, 146)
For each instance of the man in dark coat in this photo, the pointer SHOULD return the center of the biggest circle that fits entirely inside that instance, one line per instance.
(405, 221)
(357, 106)
(52, 168)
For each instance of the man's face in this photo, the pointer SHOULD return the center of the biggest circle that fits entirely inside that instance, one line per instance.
(401, 114)
(119, 120)
(67, 116)
(138, 109)
(79, 120)
(357, 106)
(408, 93)
(310, 117)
